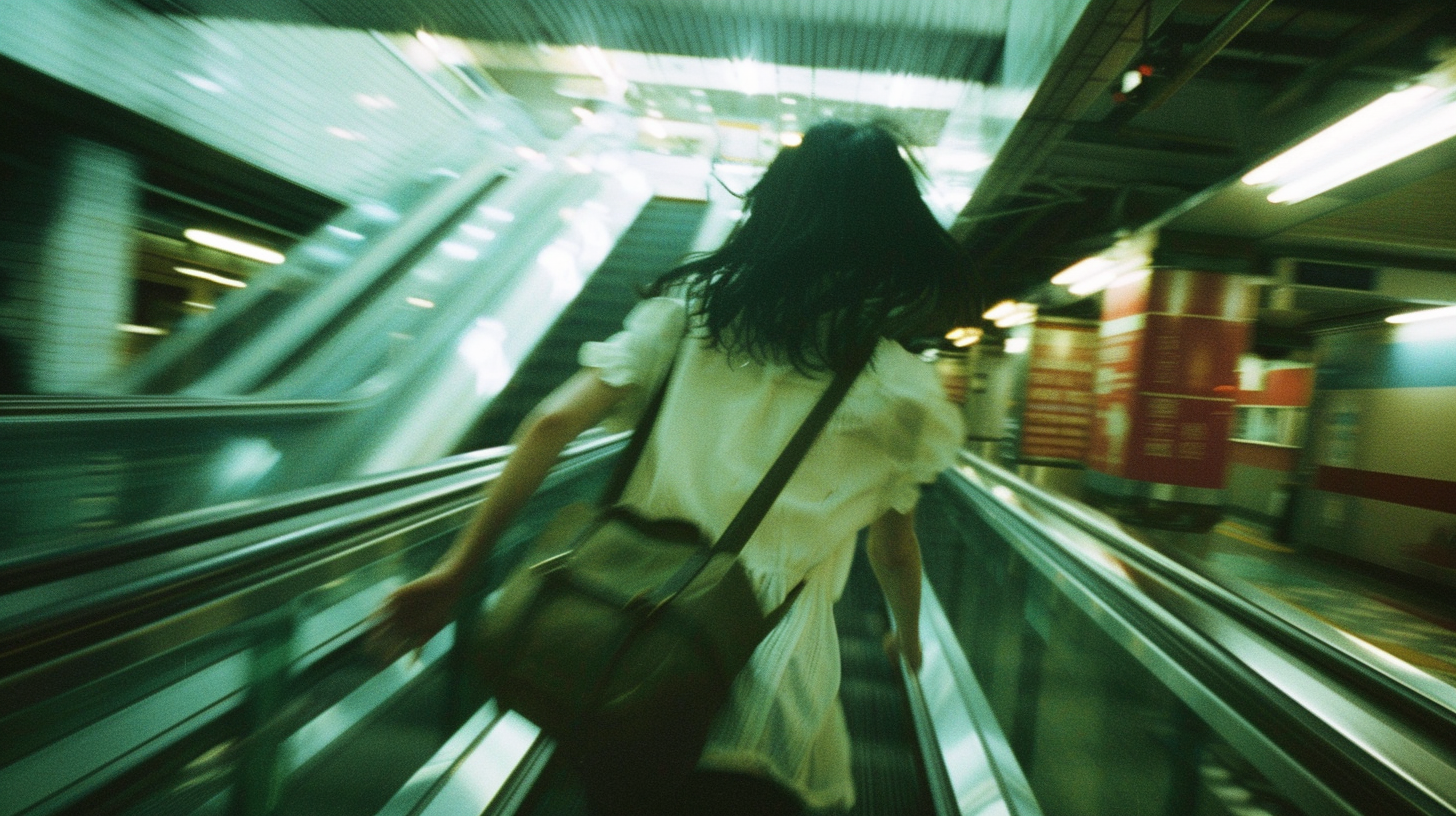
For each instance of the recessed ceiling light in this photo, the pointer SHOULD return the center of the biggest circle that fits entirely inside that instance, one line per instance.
(345, 134)
(203, 274)
(655, 114)
(788, 100)
(698, 92)
(233, 245)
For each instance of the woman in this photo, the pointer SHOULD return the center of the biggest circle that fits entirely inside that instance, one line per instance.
(838, 255)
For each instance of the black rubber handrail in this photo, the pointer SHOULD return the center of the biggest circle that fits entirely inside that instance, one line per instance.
(1431, 716)
(89, 553)
(253, 556)
(1342, 762)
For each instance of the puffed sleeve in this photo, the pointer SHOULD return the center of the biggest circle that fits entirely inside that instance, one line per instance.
(923, 431)
(639, 354)
(939, 432)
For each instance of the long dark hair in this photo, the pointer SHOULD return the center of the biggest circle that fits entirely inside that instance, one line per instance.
(837, 250)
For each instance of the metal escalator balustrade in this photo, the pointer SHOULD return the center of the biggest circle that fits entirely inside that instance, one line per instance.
(74, 467)
(325, 273)
(1062, 675)
(216, 676)
(1126, 684)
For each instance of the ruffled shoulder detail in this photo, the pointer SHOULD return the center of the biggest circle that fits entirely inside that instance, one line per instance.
(901, 401)
(639, 354)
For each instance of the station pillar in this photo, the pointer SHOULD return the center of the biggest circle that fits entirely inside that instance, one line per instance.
(69, 231)
(1165, 388)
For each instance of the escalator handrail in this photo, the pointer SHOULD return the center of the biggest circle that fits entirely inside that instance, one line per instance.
(1430, 705)
(1323, 743)
(108, 407)
(349, 283)
(220, 563)
(89, 553)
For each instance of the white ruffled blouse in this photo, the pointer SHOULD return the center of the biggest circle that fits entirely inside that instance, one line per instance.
(722, 424)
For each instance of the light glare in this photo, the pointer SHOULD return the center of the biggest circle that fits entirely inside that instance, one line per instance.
(234, 246)
(1422, 315)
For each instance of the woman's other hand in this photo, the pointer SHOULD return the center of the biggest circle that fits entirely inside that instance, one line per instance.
(412, 614)
(895, 649)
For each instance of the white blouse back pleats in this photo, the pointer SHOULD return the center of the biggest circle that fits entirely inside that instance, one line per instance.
(723, 423)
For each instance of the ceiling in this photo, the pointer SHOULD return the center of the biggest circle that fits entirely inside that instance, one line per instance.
(1076, 163)
(1231, 83)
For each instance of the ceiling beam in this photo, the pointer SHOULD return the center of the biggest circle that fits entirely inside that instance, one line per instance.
(1361, 45)
(1229, 27)
(1109, 34)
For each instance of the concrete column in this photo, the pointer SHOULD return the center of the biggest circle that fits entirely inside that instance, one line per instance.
(1165, 386)
(69, 244)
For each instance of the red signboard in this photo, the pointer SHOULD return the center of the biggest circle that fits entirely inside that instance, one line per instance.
(1057, 415)
(1166, 381)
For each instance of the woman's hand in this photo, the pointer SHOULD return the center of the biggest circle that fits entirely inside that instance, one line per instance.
(909, 649)
(412, 614)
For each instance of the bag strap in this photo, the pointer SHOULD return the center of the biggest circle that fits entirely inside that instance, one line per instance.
(736, 535)
(741, 528)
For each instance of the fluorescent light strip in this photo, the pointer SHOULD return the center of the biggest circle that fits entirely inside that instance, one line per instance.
(1000, 310)
(1424, 314)
(1438, 126)
(1085, 268)
(234, 246)
(132, 328)
(1313, 150)
(211, 277)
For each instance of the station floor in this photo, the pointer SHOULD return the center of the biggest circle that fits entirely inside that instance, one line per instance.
(1405, 622)
(1415, 624)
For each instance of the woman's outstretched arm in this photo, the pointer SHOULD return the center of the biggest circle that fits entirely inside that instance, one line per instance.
(413, 613)
(894, 553)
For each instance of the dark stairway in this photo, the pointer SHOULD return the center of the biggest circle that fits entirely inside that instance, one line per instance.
(656, 242)
(889, 776)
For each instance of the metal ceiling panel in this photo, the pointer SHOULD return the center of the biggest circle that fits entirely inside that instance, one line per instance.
(919, 37)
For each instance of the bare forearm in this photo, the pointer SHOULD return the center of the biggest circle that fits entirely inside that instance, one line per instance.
(900, 581)
(537, 450)
(894, 554)
(578, 404)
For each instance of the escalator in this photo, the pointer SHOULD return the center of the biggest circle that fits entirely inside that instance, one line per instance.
(381, 341)
(1066, 672)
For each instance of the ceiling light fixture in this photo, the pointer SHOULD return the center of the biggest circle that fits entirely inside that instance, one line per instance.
(1422, 315)
(1131, 256)
(1000, 310)
(234, 246)
(745, 75)
(132, 328)
(1396, 125)
(964, 336)
(210, 277)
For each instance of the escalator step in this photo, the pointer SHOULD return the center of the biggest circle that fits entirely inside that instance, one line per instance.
(888, 781)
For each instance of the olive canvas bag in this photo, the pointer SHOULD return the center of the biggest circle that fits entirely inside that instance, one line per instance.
(620, 635)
